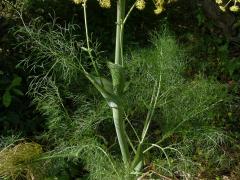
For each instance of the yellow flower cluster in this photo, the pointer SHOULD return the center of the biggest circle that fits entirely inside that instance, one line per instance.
(105, 3)
(102, 3)
(233, 8)
(140, 4)
(219, 1)
(77, 1)
(159, 6)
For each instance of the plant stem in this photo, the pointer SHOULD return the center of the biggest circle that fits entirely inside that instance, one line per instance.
(121, 134)
(89, 50)
(118, 110)
(119, 31)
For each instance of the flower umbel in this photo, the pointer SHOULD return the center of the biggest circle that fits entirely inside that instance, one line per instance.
(159, 10)
(222, 8)
(234, 8)
(219, 1)
(159, 6)
(140, 4)
(77, 1)
(105, 3)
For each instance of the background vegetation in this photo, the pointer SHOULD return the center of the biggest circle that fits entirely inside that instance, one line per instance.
(55, 125)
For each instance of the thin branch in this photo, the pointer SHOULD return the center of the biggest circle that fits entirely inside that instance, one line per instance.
(135, 132)
(129, 12)
(89, 50)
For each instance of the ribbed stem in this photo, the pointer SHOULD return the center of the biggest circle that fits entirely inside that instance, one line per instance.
(121, 134)
(119, 31)
(118, 111)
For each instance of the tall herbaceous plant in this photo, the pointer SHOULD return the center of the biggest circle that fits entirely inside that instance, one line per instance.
(112, 91)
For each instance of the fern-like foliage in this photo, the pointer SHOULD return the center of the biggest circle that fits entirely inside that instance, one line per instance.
(184, 110)
(74, 112)
(67, 102)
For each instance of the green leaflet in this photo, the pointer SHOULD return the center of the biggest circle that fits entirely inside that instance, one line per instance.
(7, 96)
(15, 82)
(7, 99)
(105, 87)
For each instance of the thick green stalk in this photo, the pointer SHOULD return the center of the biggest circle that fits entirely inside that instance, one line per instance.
(121, 133)
(117, 84)
(119, 31)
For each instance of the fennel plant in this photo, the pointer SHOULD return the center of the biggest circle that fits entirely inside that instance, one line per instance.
(112, 91)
